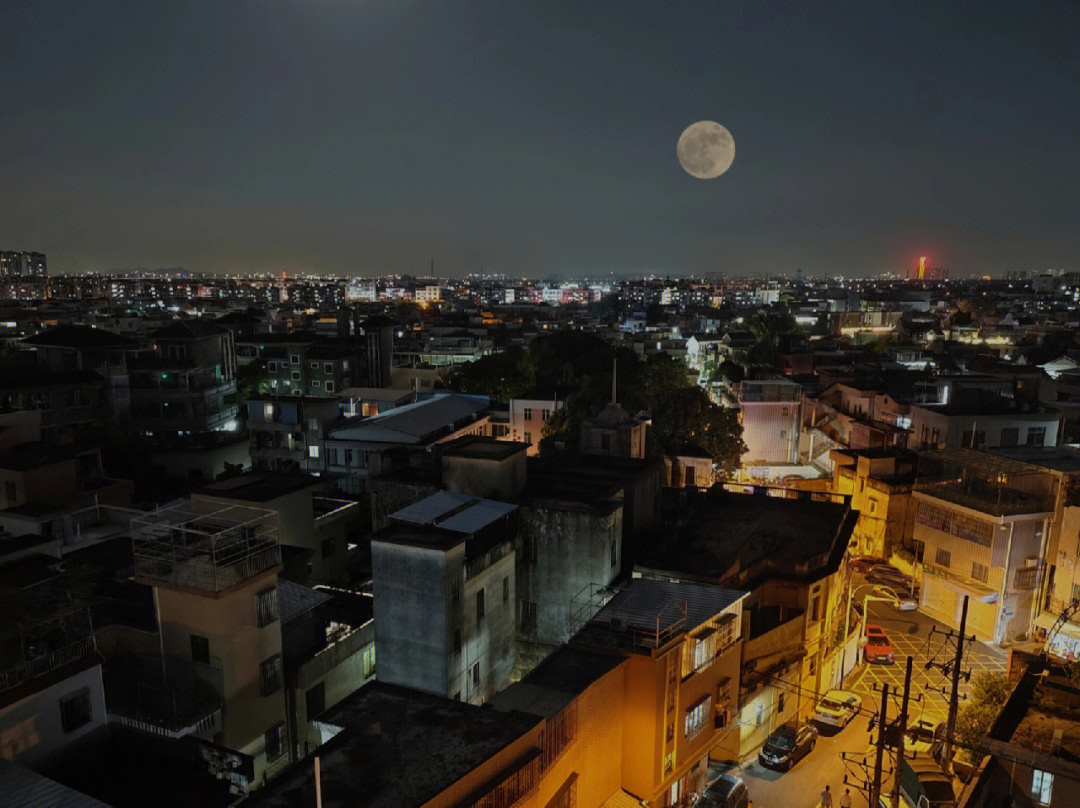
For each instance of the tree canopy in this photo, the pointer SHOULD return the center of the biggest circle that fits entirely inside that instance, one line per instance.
(657, 387)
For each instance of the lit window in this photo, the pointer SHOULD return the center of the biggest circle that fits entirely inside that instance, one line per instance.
(313, 452)
(696, 717)
(1042, 785)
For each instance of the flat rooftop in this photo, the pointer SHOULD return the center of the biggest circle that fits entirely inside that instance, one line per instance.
(1050, 725)
(728, 533)
(258, 487)
(1056, 458)
(558, 680)
(477, 447)
(398, 747)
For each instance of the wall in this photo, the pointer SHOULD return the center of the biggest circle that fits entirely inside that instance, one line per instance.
(411, 593)
(501, 480)
(771, 437)
(572, 550)
(31, 730)
(237, 647)
(488, 641)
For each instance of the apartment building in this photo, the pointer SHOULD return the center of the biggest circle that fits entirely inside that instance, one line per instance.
(978, 420)
(287, 431)
(770, 411)
(529, 414)
(214, 571)
(983, 523)
(879, 482)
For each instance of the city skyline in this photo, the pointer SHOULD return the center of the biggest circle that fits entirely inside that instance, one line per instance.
(372, 138)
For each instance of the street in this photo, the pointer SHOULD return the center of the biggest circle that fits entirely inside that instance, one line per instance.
(909, 633)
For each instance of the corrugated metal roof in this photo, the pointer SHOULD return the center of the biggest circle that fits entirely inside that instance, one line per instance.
(456, 512)
(22, 788)
(294, 599)
(411, 423)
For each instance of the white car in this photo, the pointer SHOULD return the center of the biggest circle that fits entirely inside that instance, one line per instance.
(902, 601)
(837, 708)
(923, 736)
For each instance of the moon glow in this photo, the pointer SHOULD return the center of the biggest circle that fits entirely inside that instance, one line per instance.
(706, 150)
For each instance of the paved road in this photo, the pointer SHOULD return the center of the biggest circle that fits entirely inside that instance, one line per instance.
(910, 634)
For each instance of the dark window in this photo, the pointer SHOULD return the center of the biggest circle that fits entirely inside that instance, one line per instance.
(316, 700)
(691, 472)
(457, 641)
(979, 572)
(943, 558)
(614, 553)
(328, 546)
(1009, 436)
(1025, 578)
(1036, 435)
(266, 607)
(506, 588)
(455, 591)
(479, 605)
(271, 675)
(780, 703)
(76, 710)
(528, 614)
(476, 674)
(200, 649)
(275, 741)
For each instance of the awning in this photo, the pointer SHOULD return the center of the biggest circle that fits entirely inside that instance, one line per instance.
(983, 594)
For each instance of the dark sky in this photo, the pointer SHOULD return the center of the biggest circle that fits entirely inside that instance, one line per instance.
(539, 138)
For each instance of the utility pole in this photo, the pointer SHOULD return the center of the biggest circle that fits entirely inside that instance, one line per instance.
(875, 787)
(903, 731)
(954, 696)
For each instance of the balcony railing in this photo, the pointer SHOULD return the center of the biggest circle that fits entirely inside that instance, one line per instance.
(41, 665)
(172, 698)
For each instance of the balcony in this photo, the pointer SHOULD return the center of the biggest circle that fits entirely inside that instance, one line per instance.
(168, 697)
(205, 545)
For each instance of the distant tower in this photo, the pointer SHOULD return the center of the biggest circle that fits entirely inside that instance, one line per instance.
(922, 267)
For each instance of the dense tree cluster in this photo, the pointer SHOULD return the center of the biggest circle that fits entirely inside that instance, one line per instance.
(657, 388)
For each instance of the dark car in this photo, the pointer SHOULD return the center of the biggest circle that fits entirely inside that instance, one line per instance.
(787, 746)
(727, 791)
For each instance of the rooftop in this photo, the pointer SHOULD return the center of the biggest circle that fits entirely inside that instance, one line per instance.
(416, 422)
(398, 747)
(557, 681)
(478, 447)
(81, 337)
(259, 487)
(728, 536)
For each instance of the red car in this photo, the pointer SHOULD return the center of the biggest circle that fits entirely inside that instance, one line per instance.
(878, 648)
(863, 564)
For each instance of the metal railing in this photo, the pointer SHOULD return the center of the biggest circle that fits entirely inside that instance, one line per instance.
(41, 665)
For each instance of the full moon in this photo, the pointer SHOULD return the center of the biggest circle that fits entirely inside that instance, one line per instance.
(705, 150)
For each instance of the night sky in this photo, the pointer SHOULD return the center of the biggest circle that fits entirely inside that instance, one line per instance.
(539, 138)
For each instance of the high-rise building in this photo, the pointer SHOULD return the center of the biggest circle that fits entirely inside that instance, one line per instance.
(14, 264)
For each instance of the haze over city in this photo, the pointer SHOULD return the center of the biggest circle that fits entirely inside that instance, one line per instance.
(538, 138)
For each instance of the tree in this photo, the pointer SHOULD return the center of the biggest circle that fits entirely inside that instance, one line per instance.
(988, 693)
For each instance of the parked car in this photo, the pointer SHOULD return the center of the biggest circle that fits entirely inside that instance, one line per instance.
(890, 576)
(902, 600)
(924, 735)
(837, 708)
(727, 791)
(863, 564)
(878, 648)
(787, 746)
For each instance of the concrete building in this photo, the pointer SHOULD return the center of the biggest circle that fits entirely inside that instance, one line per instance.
(214, 571)
(384, 442)
(484, 467)
(186, 384)
(443, 582)
(319, 528)
(981, 421)
(287, 431)
(529, 414)
(983, 522)
(789, 555)
(770, 412)
(879, 482)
